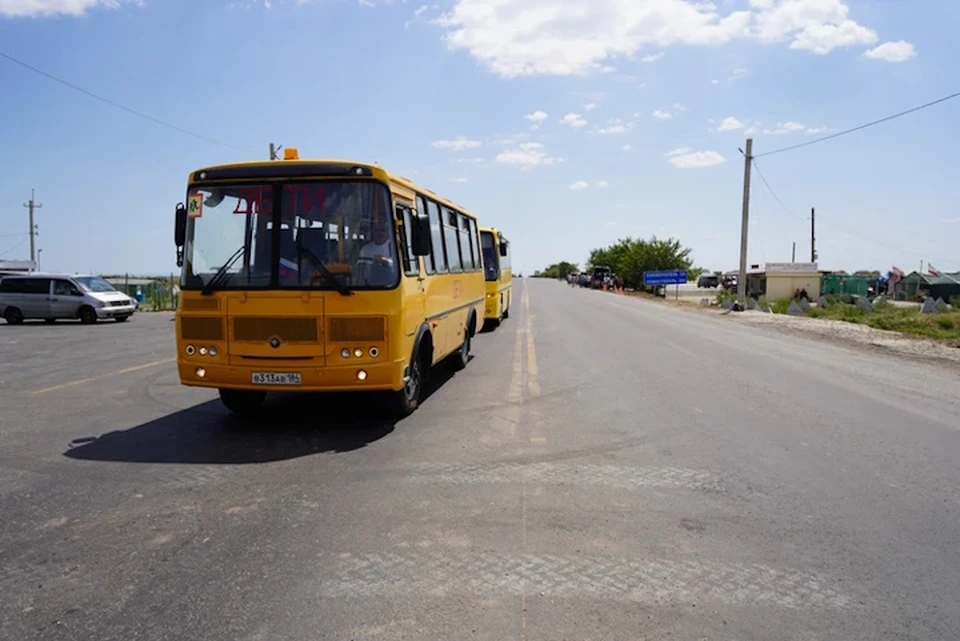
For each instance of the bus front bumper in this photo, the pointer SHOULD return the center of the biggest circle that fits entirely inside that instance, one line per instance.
(265, 377)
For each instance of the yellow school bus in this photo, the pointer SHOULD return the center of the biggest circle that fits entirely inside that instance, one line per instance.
(321, 275)
(498, 274)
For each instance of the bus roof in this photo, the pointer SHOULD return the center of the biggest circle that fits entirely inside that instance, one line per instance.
(321, 167)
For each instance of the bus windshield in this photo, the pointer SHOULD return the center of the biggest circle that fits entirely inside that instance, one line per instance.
(490, 256)
(343, 228)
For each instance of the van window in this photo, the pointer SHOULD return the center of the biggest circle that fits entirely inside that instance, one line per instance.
(64, 288)
(25, 285)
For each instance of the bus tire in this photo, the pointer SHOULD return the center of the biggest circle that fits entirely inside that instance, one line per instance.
(459, 359)
(241, 402)
(405, 401)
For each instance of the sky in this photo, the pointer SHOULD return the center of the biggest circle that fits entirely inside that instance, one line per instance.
(566, 123)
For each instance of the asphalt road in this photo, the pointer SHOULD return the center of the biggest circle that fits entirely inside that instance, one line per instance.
(605, 468)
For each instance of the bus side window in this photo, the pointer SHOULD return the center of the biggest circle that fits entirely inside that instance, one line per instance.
(452, 235)
(505, 260)
(469, 260)
(428, 261)
(476, 244)
(411, 263)
(436, 232)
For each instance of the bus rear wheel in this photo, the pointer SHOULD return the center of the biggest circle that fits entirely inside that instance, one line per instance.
(242, 401)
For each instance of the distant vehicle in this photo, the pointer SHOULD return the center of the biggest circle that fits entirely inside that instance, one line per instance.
(498, 273)
(708, 280)
(59, 296)
(730, 282)
(599, 274)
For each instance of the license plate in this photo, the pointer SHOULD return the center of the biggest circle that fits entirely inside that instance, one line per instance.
(276, 378)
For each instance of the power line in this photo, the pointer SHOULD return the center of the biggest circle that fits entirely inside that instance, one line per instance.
(844, 227)
(117, 105)
(858, 128)
(12, 235)
(15, 247)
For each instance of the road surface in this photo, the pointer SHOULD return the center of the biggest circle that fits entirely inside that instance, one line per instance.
(605, 468)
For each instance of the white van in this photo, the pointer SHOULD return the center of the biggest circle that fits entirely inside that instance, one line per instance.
(53, 296)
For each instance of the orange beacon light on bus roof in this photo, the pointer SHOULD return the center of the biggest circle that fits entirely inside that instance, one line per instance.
(291, 153)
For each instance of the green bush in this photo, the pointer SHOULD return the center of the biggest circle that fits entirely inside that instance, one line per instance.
(946, 322)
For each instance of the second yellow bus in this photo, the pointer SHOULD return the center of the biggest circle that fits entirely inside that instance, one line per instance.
(498, 273)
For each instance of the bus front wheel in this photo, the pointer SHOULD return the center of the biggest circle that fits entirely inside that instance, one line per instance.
(406, 400)
(241, 401)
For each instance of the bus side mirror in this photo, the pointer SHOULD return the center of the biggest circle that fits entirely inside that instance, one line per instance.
(180, 226)
(503, 249)
(180, 231)
(422, 245)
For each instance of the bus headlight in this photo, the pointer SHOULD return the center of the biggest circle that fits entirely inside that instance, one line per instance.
(213, 351)
(358, 352)
(345, 352)
(374, 352)
(362, 375)
(191, 350)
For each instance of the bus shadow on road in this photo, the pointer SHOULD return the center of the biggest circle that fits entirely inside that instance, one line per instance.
(289, 426)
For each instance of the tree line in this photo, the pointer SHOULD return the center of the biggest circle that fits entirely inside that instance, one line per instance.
(630, 257)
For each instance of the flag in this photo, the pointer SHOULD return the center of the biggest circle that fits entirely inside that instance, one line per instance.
(896, 275)
(931, 270)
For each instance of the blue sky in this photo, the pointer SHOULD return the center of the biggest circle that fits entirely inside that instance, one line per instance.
(568, 124)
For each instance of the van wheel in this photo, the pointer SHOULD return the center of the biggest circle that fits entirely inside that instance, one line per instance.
(241, 401)
(406, 401)
(88, 316)
(506, 312)
(13, 316)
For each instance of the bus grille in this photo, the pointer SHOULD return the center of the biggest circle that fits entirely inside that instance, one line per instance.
(201, 328)
(205, 304)
(360, 329)
(294, 330)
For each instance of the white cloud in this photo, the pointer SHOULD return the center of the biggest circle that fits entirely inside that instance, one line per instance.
(686, 158)
(459, 180)
(457, 144)
(36, 8)
(422, 9)
(590, 106)
(790, 127)
(898, 51)
(603, 184)
(616, 126)
(730, 124)
(627, 147)
(580, 184)
(660, 114)
(715, 82)
(679, 106)
(537, 118)
(955, 219)
(737, 73)
(508, 139)
(527, 156)
(546, 37)
(472, 161)
(653, 57)
(574, 120)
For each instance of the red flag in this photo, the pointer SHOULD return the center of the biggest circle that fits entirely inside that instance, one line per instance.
(931, 270)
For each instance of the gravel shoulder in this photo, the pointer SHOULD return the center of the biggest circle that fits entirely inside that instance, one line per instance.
(849, 334)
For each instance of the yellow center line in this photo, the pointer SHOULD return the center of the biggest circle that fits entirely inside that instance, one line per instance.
(533, 381)
(102, 376)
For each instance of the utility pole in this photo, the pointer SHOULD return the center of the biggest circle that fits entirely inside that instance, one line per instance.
(745, 223)
(793, 254)
(31, 206)
(813, 235)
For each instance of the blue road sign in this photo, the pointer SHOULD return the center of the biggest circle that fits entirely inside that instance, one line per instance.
(673, 277)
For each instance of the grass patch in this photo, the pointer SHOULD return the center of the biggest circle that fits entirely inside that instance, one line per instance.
(907, 320)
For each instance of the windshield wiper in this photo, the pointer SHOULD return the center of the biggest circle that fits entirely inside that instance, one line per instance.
(342, 289)
(207, 289)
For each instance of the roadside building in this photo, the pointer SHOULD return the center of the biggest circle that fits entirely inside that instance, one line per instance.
(783, 279)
